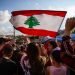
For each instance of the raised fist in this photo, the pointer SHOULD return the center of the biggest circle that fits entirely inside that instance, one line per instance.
(70, 24)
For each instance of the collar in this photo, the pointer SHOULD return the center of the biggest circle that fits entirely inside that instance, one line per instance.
(6, 57)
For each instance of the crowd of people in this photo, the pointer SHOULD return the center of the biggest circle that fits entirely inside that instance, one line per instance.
(51, 57)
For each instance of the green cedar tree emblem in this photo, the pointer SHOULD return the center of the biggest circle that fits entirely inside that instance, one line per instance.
(32, 21)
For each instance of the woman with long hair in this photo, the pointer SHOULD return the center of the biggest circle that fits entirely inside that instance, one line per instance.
(33, 64)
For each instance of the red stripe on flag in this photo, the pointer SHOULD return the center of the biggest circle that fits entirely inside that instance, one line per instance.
(38, 32)
(36, 12)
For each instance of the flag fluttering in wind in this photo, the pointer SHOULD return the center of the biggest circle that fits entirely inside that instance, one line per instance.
(38, 22)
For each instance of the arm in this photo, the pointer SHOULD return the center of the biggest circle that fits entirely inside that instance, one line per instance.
(70, 24)
(48, 71)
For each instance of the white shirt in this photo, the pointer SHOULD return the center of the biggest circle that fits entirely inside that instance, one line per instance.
(57, 48)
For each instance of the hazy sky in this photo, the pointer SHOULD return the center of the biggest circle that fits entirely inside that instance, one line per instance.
(12, 5)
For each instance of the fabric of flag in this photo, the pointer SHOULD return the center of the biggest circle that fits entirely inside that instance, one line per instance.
(38, 22)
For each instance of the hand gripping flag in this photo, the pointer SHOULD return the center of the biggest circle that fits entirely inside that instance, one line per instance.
(38, 22)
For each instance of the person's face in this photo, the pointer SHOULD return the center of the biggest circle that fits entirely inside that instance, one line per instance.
(11, 54)
(59, 44)
(73, 43)
(50, 47)
(1, 46)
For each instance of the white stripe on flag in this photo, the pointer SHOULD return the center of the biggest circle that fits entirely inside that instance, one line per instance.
(47, 22)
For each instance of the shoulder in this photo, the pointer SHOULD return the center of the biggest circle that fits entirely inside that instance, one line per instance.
(24, 57)
(12, 63)
(64, 67)
(43, 59)
(50, 67)
(50, 70)
(8, 62)
(24, 60)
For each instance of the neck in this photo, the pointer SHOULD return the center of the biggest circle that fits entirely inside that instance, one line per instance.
(1, 46)
(57, 64)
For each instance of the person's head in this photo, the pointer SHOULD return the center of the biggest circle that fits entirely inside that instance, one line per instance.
(2, 41)
(55, 57)
(32, 51)
(66, 39)
(42, 50)
(7, 50)
(52, 45)
(22, 48)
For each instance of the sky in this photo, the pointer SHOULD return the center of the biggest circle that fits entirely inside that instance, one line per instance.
(7, 6)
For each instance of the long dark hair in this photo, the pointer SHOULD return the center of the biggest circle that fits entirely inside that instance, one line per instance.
(32, 51)
(37, 65)
(66, 46)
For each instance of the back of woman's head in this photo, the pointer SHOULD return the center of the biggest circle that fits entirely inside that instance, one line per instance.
(7, 50)
(56, 56)
(32, 50)
(2, 40)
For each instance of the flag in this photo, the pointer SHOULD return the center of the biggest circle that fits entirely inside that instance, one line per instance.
(38, 22)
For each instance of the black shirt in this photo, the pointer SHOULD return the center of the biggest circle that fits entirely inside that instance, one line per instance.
(7, 67)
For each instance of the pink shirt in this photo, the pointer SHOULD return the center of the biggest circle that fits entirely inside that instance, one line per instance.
(62, 70)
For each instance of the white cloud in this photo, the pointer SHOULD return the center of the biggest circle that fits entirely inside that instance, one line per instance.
(4, 16)
(71, 11)
(6, 29)
(2, 31)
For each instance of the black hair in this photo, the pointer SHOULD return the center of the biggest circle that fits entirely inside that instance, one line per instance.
(65, 38)
(7, 49)
(66, 45)
(32, 51)
(2, 40)
(56, 56)
(22, 48)
(53, 43)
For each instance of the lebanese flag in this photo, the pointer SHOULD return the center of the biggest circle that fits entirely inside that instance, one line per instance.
(38, 22)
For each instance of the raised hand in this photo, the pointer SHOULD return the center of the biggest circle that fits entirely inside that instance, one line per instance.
(70, 24)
